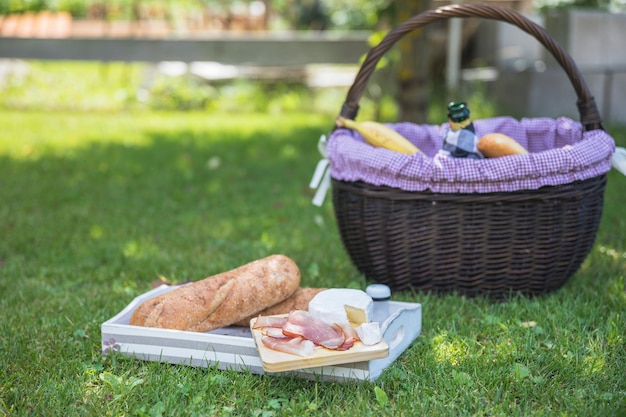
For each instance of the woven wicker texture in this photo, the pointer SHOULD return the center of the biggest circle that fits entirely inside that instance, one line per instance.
(469, 243)
(528, 241)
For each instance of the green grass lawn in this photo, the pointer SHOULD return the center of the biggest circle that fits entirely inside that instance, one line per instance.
(97, 206)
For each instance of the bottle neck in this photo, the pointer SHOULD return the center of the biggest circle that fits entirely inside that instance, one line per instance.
(460, 125)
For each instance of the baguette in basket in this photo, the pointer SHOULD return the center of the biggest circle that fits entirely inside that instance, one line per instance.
(379, 135)
(494, 145)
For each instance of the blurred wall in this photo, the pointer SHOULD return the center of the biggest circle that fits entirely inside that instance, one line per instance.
(531, 83)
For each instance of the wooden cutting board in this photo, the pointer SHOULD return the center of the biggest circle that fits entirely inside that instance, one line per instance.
(274, 361)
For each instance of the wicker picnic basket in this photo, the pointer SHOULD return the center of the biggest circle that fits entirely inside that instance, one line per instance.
(528, 241)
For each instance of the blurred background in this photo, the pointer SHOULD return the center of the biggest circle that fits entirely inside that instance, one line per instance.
(288, 55)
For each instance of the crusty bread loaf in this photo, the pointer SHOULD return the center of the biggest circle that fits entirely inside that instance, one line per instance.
(222, 299)
(297, 301)
(493, 145)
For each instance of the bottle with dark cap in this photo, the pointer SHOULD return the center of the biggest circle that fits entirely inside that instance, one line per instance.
(460, 139)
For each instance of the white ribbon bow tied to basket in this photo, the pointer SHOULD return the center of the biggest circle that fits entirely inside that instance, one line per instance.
(321, 176)
(618, 160)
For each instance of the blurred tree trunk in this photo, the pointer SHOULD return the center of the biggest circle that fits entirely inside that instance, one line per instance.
(268, 13)
(413, 68)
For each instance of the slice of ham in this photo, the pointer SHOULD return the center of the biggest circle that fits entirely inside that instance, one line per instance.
(350, 334)
(276, 332)
(301, 324)
(269, 321)
(293, 345)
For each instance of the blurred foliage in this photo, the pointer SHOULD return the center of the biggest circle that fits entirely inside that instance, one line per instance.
(290, 14)
(177, 93)
(286, 14)
(545, 6)
(89, 86)
(114, 87)
(109, 9)
(75, 86)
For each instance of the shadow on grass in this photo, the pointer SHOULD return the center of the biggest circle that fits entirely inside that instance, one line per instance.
(180, 204)
(185, 203)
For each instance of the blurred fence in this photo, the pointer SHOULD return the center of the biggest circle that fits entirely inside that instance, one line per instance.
(56, 36)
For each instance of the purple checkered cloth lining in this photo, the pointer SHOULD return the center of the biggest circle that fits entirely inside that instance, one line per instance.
(559, 153)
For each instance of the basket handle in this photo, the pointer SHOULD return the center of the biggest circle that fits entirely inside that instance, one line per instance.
(589, 115)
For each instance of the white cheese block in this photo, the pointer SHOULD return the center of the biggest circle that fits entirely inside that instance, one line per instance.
(369, 333)
(342, 305)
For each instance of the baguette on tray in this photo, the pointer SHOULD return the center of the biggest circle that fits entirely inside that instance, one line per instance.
(298, 301)
(223, 299)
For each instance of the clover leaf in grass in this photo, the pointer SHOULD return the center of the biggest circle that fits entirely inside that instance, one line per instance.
(520, 372)
(110, 346)
(381, 396)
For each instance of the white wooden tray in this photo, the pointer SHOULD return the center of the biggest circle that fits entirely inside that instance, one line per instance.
(233, 348)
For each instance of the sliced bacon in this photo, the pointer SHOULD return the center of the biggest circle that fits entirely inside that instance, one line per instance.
(269, 321)
(295, 346)
(276, 332)
(289, 334)
(301, 324)
(350, 335)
